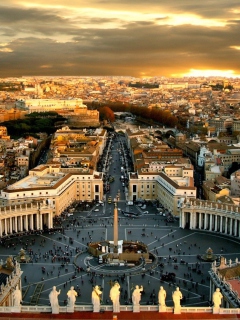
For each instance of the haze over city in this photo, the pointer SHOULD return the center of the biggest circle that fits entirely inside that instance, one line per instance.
(130, 38)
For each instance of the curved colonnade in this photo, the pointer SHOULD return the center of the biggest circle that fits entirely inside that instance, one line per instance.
(211, 216)
(25, 217)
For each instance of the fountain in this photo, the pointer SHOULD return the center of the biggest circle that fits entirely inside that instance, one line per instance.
(22, 257)
(209, 256)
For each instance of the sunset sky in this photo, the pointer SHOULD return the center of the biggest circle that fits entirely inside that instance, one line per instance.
(137, 38)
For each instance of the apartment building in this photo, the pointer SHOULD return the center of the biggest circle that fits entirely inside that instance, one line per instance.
(56, 186)
(235, 183)
(170, 184)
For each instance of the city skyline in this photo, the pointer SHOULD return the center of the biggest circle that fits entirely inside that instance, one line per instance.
(102, 38)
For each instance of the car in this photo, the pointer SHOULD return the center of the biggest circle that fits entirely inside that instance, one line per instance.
(70, 214)
(96, 210)
(145, 212)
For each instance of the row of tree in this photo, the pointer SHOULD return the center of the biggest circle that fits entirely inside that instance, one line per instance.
(152, 116)
(32, 124)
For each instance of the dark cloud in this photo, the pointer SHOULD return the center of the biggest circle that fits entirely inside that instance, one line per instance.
(136, 47)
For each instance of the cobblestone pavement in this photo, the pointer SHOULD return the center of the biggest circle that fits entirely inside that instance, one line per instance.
(168, 242)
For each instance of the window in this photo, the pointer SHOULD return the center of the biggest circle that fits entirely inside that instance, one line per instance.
(134, 188)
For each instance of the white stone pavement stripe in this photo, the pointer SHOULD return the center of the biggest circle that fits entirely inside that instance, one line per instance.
(176, 240)
(64, 243)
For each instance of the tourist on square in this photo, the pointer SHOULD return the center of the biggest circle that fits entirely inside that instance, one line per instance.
(136, 295)
(53, 297)
(96, 298)
(114, 296)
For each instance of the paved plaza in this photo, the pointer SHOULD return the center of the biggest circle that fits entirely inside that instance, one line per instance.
(168, 242)
(61, 259)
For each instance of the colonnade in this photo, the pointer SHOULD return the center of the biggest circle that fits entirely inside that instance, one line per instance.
(230, 297)
(205, 215)
(28, 218)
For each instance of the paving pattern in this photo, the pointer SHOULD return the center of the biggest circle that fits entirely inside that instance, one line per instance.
(175, 248)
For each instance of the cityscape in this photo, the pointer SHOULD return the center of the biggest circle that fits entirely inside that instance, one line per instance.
(120, 185)
(119, 159)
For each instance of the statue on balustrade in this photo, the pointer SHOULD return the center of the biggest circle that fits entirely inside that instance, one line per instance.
(217, 299)
(114, 296)
(162, 297)
(177, 296)
(72, 294)
(53, 297)
(96, 298)
(17, 297)
(136, 295)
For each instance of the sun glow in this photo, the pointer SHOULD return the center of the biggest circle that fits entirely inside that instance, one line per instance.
(211, 73)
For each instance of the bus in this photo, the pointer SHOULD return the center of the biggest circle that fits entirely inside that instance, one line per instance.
(131, 214)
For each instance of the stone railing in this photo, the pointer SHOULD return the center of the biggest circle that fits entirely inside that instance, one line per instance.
(109, 308)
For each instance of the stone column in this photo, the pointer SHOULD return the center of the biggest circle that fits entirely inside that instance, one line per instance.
(231, 226)
(16, 224)
(226, 221)
(31, 222)
(216, 223)
(26, 222)
(5, 226)
(40, 221)
(235, 227)
(21, 223)
(221, 224)
(49, 220)
(205, 221)
(37, 221)
(211, 222)
(200, 220)
(10, 225)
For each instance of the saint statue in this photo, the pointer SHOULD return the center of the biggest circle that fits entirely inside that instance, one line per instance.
(17, 297)
(136, 295)
(177, 296)
(72, 294)
(53, 297)
(217, 298)
(114, 296)
(96, 298)
(162, 297)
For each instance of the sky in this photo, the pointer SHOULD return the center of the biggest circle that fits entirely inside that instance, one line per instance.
(153, 38)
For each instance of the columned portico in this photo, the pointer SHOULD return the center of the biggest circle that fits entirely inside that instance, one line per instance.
(20, 218)
(211, 217)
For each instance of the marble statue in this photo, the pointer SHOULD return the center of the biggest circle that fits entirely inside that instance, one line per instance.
(17, 297)
(217, 298)
(177, 296)
(162, 297)
(96, 298)
(72, 294)
(114, 296)
(53, 297)
(136, 295)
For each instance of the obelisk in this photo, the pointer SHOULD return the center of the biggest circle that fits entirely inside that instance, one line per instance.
(115, 230)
